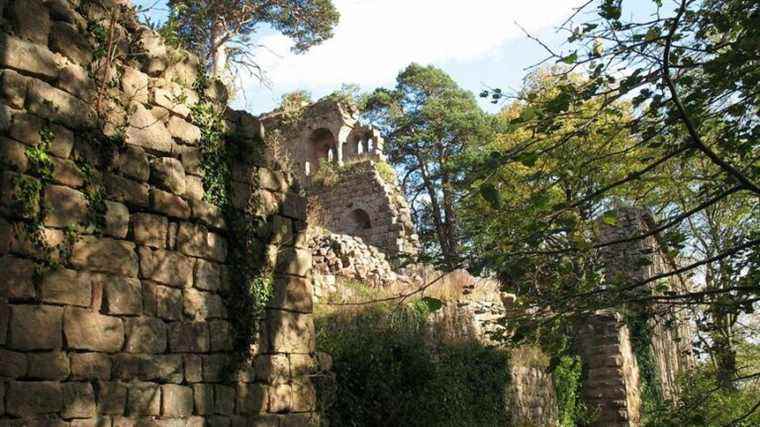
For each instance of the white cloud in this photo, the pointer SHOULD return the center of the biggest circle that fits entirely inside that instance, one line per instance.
(377, 38)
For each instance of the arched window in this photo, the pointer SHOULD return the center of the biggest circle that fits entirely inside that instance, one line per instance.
(360, 147)
(322, 145)
(359, 220)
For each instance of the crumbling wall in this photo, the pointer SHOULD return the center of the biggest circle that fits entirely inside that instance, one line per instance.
(117, 305)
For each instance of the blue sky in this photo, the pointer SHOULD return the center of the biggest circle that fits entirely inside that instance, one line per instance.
(477, 42)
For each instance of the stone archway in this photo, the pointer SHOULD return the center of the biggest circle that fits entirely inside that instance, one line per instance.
(359, 221)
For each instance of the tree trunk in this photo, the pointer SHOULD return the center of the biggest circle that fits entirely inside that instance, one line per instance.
(217, 51)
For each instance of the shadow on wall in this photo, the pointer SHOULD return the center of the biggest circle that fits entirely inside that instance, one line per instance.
(388, 372)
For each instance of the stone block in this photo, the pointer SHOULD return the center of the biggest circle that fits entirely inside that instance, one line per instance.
(175, 98)
(65, 206)
(169, 204)
(90, 366)
(13, 86)
(164, 368)
(133, 163)
(162, 301)
(31, 19)
(19, 274)
(292, 293)
(13, 155)
(51, 103)
(36, 327)
(117, 220)
(112, 398)
(294, 206)
(222, 335)
(127, 366)
(51, 365)
(75, 79)
(184, 131)
(13, 364)
(188, 337)
(210, 215)
(135, 85)
(31, 398)
(195, 240)
(216, 367)
(280, 398)
(251, 399)
(145, 335)
(290, 332)
(121, 296)
(78, 400)
(4, 320)
(91, 422)
(87, 330)
(177, 400)
(272, 180)
(66, 172)
(203, 395)
(304, 365)
(146, 131)
(28, 57)
(71, 43)
(282, 231)
(194, 191)
(68, 287)
(144, 399)
(169, 174)
(303, 397)
(150, 230)
(26, 128)
(193, 368)
(105, 255)
(224, 399)
(272, 368)
(201, 305)
(127, 191)
(166, 267)
(192, 161)
(294, 261)
(208, 275)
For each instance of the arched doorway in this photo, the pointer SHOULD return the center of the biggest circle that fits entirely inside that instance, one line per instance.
(322, 145)
(358, 221)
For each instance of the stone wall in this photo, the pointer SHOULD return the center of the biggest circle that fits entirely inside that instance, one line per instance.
(117, 306)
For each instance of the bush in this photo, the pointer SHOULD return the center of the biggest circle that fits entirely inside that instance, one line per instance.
(388, 374)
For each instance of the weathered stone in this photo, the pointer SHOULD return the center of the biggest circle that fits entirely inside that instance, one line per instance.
(121, 296)
(175, 98)
(59, 106)
(194, 190)
(167, 267)
(127, 366)
(90, 366)
(196, 240)
(66, 172)
(117, 220)
(28, 57)
(29, 398)
(280, 398)
(184, 131)
(132, 162)
(135, 85)
(67, 40)
(13, 155)
(162, 301)
(78, 400)
(294, 206)
(224, 399)
(144, 399)
(19, 273)
(95, 421)
(112, 398)
(86, 330)
(222, 335)
(303, 365)
(193, 368)
(145, 335)
(75, 79)
(155, 55)
(292, 293)
(177, 400)
(168, 173)
(126, 190)
(216, 367)
(272, 180)
(191, 160)
(169, 204)
(252, 399)
(294, 261)
(290, 332)
(203, 395)
(165, 368)
(65, 207)
(69, 287)
(272, 368)
(14, 87)
(201, 305)
(148, 132)
(32, 20)
(26, 128)
(150, 230)
(208, 275)
(209, 214)
(36, 327)
(105, 255)
(16, 202)
(187, 337)
(12, 364)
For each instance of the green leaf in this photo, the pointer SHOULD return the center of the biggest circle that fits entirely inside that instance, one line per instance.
(491, 195)
(610, 218)
(570, 59)
(528, 159)
(653, 34)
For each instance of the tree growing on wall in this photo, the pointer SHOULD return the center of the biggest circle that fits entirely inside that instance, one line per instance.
(220, 31)
(427, 121)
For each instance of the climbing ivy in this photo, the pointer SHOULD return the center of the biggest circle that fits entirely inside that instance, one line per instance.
(641, 341)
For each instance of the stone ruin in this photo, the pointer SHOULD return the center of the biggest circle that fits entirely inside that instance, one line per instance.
(116, 307)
